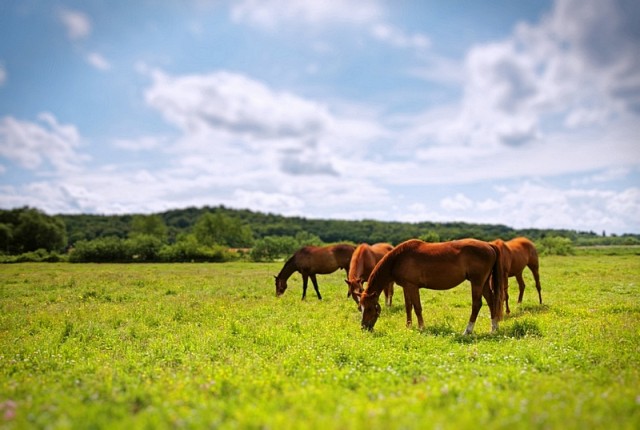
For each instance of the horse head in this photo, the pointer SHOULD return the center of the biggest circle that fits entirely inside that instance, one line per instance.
(281, 286)
(355, 289)
(370, 311)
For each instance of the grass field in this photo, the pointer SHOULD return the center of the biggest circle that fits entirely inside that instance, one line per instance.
(210, 346)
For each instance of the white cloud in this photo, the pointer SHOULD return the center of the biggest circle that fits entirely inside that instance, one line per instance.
(141, 144)
(398, 38)
(271, 13)
(77, 24)
(33, 144)
(98, 61)
(459, 202)
(236, 104)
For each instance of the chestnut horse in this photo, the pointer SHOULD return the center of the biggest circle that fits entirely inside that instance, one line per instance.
(311, 261)
(517, 254)
(363, 260)
(415, 264)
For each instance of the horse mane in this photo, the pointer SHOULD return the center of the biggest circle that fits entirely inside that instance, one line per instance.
(288, 268)
(381, 274)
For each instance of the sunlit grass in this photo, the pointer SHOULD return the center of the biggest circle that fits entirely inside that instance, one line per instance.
(210, 346)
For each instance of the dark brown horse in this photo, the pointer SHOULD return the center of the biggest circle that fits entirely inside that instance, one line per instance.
(311, 261)
(416, 264)
(363, 260)
(517, 254)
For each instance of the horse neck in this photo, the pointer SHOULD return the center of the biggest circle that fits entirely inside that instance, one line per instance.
(288, 269)
(356, 268)
(381, 275)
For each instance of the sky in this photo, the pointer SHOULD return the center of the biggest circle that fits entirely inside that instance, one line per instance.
(521, 113)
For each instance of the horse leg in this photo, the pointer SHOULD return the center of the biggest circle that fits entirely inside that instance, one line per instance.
(476, 304)
(521, 286)
(536, 277)
(388, 294)
(414, 293)
(315, 285)
(407, 305)
(488, 296)
(305, 280)
(506, 295)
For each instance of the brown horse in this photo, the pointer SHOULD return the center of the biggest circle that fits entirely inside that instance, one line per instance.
(416, 264)
(363, 260)
(517, 254)
(311, 261)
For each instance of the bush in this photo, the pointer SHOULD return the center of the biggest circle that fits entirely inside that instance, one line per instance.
(273, 247)
(38, 256)
(555, 245)
(144, 247)
(102, 250)
(189, 250)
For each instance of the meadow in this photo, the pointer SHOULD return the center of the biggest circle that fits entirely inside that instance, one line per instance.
(210, 346)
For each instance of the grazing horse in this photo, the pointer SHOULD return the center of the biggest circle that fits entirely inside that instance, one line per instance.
(517, 254)
(311, 261)
(363, 260)
(416, 264)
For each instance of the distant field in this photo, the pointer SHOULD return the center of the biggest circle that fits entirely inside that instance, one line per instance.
(210, 346)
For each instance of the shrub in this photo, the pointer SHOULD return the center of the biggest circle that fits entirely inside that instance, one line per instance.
(102, 250)
(188, 249)
(555, 245)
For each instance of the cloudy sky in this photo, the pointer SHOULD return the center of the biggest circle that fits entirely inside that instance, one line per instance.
(523, 113)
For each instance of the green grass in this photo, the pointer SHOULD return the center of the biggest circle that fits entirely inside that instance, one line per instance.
(210, 346)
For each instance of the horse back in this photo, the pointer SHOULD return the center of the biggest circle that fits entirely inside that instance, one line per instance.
(523, 253)
(441, 266)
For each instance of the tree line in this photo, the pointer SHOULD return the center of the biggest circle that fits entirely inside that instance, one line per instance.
(220, 234)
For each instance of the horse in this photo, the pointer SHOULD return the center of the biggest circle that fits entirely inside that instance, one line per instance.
(415, 264)
(364, 259)
(517, 254)
(311, 261)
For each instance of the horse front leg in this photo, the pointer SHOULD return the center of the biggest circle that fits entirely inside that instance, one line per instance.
(315, 285)
(388, 294)
(476, 304)
(305, 281)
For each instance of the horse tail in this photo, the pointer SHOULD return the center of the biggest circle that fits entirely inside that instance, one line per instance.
(497, 273)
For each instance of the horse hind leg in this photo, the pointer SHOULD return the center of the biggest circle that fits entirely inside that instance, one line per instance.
(506, 294)
(408, 306)
(521, 286)
(536, 277)
(315, 285)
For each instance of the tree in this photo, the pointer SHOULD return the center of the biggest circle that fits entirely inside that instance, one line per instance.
(219, 229)
(150, 225)
(36, 230)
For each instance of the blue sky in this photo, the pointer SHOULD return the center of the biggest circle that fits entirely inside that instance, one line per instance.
(521, 113)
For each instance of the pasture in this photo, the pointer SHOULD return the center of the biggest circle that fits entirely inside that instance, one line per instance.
(210, 346)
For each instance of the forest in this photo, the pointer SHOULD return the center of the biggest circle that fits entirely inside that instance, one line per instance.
(219, 233)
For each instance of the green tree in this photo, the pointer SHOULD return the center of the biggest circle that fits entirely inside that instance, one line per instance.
(430, 236)
(6, 237)
(36, 230)
(219, 229)
(150, 225)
